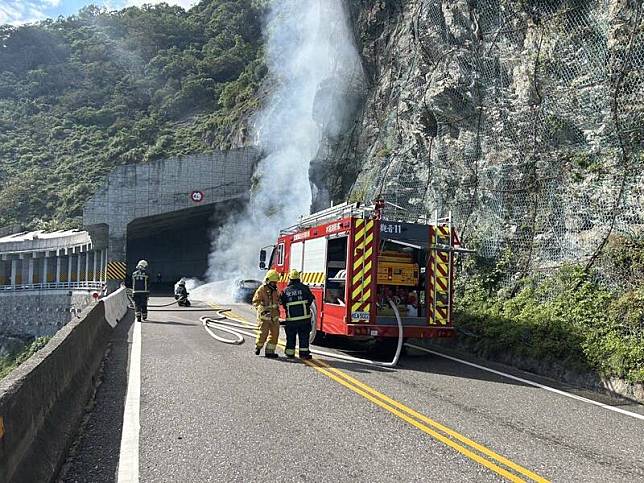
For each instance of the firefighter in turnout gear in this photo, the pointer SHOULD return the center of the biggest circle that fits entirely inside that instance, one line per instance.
(181, 294)
(266, 302)
(296, 300)
(140, 290)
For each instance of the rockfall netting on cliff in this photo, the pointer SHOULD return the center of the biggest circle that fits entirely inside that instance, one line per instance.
(524, 118)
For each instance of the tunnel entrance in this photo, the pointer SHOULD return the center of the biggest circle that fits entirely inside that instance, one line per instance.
(177, 244)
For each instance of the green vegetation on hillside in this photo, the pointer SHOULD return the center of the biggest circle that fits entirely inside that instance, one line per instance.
(8, 364)
(81, 95)
(571, 321)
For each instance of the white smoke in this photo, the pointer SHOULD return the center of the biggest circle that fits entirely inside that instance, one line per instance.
(314, 66)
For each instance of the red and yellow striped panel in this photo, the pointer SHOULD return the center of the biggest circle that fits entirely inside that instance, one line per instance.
(313, 278)
(363, 253)
(308, 278)
(438, 294)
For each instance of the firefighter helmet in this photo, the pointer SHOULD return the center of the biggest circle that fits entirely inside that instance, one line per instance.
(294, 274)
(182, 282)
(272, 276)
(142, 264)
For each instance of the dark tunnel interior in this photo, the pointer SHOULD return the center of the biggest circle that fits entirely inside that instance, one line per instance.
(177, 244)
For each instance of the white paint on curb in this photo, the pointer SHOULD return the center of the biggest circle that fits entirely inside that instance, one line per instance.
(129, 456)
(532, 383)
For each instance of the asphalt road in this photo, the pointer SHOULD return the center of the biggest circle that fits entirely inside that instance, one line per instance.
(216, 412)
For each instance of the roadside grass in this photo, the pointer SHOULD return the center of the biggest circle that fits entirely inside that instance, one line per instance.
(570, 320)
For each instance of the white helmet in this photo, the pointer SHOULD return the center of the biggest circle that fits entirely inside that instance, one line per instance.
(142, 264)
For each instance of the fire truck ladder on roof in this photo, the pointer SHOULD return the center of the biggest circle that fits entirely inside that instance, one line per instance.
(357, 210)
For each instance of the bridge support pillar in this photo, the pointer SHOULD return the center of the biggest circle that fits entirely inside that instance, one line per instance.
(24, 268)
(86, 277)
(78, 266)
(14, 272)
(30, 269)
(58, 267)
(69, 265)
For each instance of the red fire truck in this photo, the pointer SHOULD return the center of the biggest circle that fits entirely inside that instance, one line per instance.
(356, 261)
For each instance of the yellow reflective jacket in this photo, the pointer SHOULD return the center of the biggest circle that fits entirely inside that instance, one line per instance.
(266, 301)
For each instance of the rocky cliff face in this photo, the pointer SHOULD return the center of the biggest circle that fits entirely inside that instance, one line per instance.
(524, 118)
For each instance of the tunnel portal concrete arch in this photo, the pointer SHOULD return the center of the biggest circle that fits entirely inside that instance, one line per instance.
(165, 211)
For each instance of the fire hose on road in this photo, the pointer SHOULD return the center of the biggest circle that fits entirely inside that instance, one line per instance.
(129, 296)
(238, 331)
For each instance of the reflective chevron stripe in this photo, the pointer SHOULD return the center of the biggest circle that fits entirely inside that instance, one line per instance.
(308, 278)
(313, 278)
(362, 265)
(439, 298)
(116, 270)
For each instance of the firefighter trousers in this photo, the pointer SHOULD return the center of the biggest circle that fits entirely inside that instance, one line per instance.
(268, 329)
(300, 330)
(140, 304)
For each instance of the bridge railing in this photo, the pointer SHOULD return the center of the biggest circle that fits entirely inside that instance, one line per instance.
(52, 286)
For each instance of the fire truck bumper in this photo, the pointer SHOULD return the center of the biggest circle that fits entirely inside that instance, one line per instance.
(414, 332)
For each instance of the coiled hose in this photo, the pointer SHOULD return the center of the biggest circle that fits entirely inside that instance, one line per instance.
(238, 331)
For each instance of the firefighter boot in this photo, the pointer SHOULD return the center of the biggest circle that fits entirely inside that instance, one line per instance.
(273, 339)
(303, 330)
(262, 335)
(138, 316)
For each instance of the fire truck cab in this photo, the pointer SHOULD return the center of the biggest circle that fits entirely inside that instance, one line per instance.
(358, 264)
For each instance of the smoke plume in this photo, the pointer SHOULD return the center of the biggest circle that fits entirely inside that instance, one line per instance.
(314, 66)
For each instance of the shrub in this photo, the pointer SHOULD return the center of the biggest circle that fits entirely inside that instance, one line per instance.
(8, 364)
(567, 319)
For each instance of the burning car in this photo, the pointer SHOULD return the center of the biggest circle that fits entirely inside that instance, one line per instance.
(243, 290)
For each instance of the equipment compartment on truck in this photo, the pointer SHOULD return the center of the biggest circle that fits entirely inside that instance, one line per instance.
(358, 264)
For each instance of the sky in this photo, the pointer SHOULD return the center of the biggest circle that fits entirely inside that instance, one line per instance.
(17, 12)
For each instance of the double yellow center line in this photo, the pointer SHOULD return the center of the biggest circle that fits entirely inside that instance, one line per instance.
(471, 449)
(436, 430)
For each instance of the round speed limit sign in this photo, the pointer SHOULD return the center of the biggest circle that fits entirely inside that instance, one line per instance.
(197, 196)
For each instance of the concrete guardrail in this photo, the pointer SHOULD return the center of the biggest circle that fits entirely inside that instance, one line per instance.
(43, 400)
(116, 305)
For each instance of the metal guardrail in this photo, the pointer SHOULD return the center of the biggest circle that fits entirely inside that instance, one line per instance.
(52, 286)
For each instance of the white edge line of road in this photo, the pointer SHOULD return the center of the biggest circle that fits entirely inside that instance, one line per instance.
(532, 383)
(129, 455)
(515, 378)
